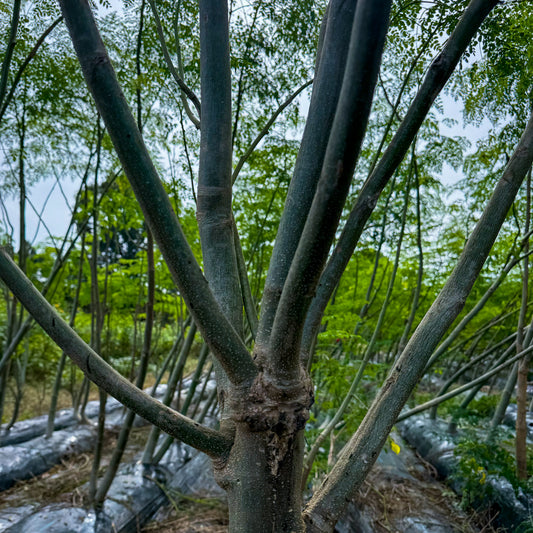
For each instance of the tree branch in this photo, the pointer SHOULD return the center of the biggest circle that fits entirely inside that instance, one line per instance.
(33, 52)
(106, 377)
(184, 89)
(99, 74)
(214, 195)
(362, 450)
(324, 98)
(348, 129)
(436, 77)
(265, 129)
(11, 42)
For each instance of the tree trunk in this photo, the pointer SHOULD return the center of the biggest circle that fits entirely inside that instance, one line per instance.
(523, 365)
(264, 467)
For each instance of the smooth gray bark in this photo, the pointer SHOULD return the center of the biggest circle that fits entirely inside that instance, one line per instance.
(214, 194)
(324, 98)
(347, 132)
(362, 450)
(100, 77)
(437, 75)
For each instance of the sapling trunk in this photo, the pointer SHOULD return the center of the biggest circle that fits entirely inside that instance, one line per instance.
(416, 296)
(523, 365)
(172, 356)
(459, 390)
(202, 392)
(165, 445)
(368, 351)
(464, 368)
(127, 425)
(195, 380)
(20, 382)
(369, 299)
(169, 393)
(452, 426)
(508, 390)
(210, 402)
(63, 358)
(97, 319)
(247, 298)
(16, 321)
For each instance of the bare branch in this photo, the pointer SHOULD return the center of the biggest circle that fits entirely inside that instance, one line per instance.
(362, 450)
(184, 89)
(8, 55)
(101, 373)
(324, 98)
(348, 129)
(25, 63)
(224, 342)
(265, 129)
(436, 77)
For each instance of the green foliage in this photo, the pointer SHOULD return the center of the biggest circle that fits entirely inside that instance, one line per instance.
(479, 409)
(477, 460)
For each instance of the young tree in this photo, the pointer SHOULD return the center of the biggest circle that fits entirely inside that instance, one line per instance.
(265, 396)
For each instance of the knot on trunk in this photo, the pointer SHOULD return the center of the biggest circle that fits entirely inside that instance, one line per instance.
(278, 411)
(272, 406)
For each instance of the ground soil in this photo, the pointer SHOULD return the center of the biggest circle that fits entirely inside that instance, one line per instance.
(385, 498)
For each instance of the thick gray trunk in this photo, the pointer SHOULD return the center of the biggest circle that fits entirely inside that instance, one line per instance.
(262, 479)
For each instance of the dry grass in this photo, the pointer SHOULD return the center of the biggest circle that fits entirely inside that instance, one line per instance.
(388, 499)
(190, 515)
(62, 483)
(36, 399)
